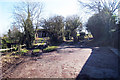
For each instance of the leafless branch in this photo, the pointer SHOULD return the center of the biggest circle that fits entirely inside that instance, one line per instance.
(21, 12)
(98, 5)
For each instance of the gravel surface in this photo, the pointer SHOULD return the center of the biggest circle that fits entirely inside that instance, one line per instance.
(69, 62)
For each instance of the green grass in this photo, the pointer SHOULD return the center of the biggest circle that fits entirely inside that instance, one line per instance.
(89, 36)
(40, 40)
(50, 48)
(38, 44)
(46, 38)
(24, 51)
(36, 50)
(78, 34)
(19, 53)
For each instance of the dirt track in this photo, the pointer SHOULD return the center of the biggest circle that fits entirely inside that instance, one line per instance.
(68, 62)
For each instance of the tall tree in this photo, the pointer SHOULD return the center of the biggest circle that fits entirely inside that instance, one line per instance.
(14, 35)
(73, 24)
(101, 7)
(103, 19)
(27, 18)
(55, 25)
(98, 5)
(29, 31)
(101, 28)
(20, 13)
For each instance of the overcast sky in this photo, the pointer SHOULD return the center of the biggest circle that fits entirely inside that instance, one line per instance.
(51, 8)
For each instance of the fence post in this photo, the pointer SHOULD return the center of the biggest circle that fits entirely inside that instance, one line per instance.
(19, 48)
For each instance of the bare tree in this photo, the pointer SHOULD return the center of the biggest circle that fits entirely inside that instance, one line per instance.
(98, 5)
(20, 13)
(27, 18)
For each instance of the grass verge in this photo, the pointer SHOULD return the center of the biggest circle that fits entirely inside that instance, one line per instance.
(36, 50)
(50, 48)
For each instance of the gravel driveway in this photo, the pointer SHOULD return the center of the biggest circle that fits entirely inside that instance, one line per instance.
(70, 62)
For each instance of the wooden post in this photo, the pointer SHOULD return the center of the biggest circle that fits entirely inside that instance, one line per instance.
(19, 48)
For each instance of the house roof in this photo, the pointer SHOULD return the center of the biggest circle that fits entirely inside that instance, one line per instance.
(42, 30)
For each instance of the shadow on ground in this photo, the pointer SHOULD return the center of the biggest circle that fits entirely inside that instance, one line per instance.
(102, 64)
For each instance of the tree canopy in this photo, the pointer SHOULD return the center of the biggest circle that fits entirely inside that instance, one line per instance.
(103, 22)
(73, 24)
(55, 26)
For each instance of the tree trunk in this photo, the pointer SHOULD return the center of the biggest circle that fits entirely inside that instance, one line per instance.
(19, 48)
(75, 39)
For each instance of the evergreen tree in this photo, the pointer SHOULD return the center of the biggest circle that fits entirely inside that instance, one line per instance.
(28, 31)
